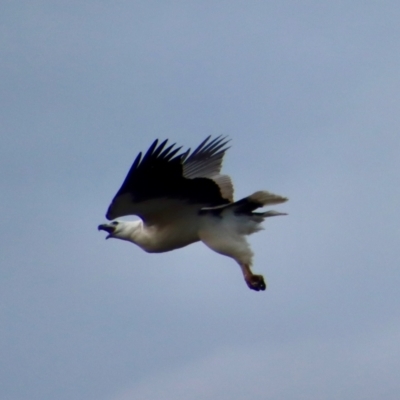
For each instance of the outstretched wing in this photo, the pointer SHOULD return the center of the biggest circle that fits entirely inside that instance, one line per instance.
(206, 162)
(163, 180)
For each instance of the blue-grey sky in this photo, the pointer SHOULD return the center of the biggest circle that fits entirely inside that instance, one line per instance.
(309, 93)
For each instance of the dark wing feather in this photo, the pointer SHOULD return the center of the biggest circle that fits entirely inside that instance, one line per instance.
(160, 175)
(206, 161)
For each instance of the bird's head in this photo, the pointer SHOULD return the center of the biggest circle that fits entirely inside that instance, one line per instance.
(119, 229)
(112, 228)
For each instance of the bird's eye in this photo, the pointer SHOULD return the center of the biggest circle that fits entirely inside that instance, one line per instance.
(114, 223)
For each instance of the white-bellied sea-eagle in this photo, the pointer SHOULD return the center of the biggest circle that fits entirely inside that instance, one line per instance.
(181, 198)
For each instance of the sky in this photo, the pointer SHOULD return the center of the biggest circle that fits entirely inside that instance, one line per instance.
(309, 94)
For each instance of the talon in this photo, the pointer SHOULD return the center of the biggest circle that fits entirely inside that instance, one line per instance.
(256, 282)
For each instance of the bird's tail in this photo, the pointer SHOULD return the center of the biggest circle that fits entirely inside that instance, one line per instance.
(257, 200)
(248, 204)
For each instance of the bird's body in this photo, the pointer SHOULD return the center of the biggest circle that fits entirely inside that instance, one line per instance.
(184, 199)
(160, 238)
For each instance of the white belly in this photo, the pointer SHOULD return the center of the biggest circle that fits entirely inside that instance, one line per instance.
(161, 239)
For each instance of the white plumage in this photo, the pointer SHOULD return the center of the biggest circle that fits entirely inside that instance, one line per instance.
(182, 198)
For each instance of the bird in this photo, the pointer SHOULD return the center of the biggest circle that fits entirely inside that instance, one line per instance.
(181, 198)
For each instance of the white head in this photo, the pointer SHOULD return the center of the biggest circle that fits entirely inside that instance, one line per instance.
(124, 230)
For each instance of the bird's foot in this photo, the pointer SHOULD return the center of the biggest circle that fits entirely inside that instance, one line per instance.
(255, 282)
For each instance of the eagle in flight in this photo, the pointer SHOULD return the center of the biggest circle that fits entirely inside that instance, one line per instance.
(182, 198)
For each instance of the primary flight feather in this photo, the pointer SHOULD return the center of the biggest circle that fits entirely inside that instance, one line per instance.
(181, 198)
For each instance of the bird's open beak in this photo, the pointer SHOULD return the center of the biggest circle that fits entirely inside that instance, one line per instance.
(108, 228)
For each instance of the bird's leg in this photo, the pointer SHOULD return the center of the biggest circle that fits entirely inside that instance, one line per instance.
(255, 282)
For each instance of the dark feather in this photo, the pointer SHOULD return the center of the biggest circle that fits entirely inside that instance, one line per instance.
(160, 174)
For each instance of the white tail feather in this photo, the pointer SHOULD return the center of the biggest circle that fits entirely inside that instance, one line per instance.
(266, 198)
